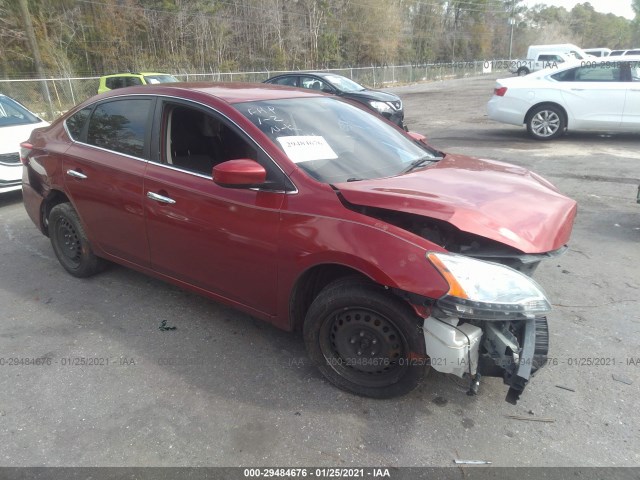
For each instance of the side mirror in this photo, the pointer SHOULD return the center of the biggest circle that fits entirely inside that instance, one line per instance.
(241, 173)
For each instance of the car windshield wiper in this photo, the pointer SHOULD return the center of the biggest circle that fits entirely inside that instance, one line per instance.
(420, 162)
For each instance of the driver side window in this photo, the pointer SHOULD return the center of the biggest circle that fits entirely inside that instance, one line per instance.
(313, 84)
(196, 140)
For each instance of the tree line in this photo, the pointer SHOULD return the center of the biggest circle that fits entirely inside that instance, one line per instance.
(94, 37)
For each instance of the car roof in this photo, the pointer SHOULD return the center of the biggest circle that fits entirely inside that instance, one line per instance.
(235, 92)
(124, 74)
(317, 74)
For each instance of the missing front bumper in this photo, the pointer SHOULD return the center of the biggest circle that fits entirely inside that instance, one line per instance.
(512, 350)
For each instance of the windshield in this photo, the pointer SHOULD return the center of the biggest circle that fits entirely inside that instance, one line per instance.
(12, 113)
(151, 79)
(343, 83)
(334, 141)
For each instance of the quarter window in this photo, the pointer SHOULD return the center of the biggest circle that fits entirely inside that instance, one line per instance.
(120, 126)
(75, 123)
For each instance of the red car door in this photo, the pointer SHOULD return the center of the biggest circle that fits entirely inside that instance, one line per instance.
(104, 171)
(222, 240)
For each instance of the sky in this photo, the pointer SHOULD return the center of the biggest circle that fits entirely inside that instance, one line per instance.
(617, 7)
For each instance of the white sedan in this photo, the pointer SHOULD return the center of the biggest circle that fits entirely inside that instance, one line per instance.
(595, 94)
(16, 124)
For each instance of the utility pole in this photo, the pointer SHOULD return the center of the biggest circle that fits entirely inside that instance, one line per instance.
(512, 22)
(33, 44)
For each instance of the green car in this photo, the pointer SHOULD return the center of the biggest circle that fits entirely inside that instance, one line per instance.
(120, 80)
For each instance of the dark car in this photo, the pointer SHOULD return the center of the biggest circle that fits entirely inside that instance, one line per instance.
(386, 104)
(310, 213)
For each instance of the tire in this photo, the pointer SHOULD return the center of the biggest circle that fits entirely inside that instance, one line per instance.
(546, 122)
(523, 71)
(70, 243)
(364, 340)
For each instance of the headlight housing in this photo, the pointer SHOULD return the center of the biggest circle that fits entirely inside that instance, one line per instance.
(382, 107)
(487, 291)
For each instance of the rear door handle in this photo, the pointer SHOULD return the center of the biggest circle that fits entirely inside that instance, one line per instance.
(578, 89)
(160, 198)
(76, 174)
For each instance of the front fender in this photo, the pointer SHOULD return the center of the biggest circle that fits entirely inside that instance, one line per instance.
(379, 251)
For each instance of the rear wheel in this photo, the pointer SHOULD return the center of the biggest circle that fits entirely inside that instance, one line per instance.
(546, 122)
(365, 341)
(70, 243)
(522, 71)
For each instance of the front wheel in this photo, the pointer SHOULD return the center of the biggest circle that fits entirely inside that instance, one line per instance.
(70, 243)
(364, 340)
(546, 122)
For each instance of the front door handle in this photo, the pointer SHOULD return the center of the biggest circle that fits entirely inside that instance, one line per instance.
(160, 198)
(76, 174)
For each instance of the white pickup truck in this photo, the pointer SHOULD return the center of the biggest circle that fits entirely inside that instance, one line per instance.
(538, 62)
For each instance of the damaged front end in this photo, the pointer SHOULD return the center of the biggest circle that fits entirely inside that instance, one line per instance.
(491, 323)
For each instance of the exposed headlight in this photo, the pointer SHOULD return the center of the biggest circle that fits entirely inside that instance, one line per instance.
(382, 107)
(487, 291)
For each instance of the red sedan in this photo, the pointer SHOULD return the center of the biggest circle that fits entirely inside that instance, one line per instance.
(311, 213)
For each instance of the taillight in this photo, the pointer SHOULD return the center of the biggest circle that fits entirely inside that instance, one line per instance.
(25, 150)
(500, 91)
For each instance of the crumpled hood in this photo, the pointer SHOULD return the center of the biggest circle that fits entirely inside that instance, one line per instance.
(502, 202)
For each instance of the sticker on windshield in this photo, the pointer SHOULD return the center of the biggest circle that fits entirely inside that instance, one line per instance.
(305, 148)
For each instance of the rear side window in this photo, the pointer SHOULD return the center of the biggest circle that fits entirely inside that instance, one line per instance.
(120, 126)
(75, 123)
(114, 82)
(592, 73)
(598, 74)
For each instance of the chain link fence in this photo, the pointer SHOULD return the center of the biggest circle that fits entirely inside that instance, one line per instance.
(50, 98)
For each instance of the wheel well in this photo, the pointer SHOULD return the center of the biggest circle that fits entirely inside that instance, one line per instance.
(309, 286)
(54, 198)
(527, 117)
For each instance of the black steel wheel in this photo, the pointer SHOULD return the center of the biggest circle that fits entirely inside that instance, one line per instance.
(364, 340)
(70, 243)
